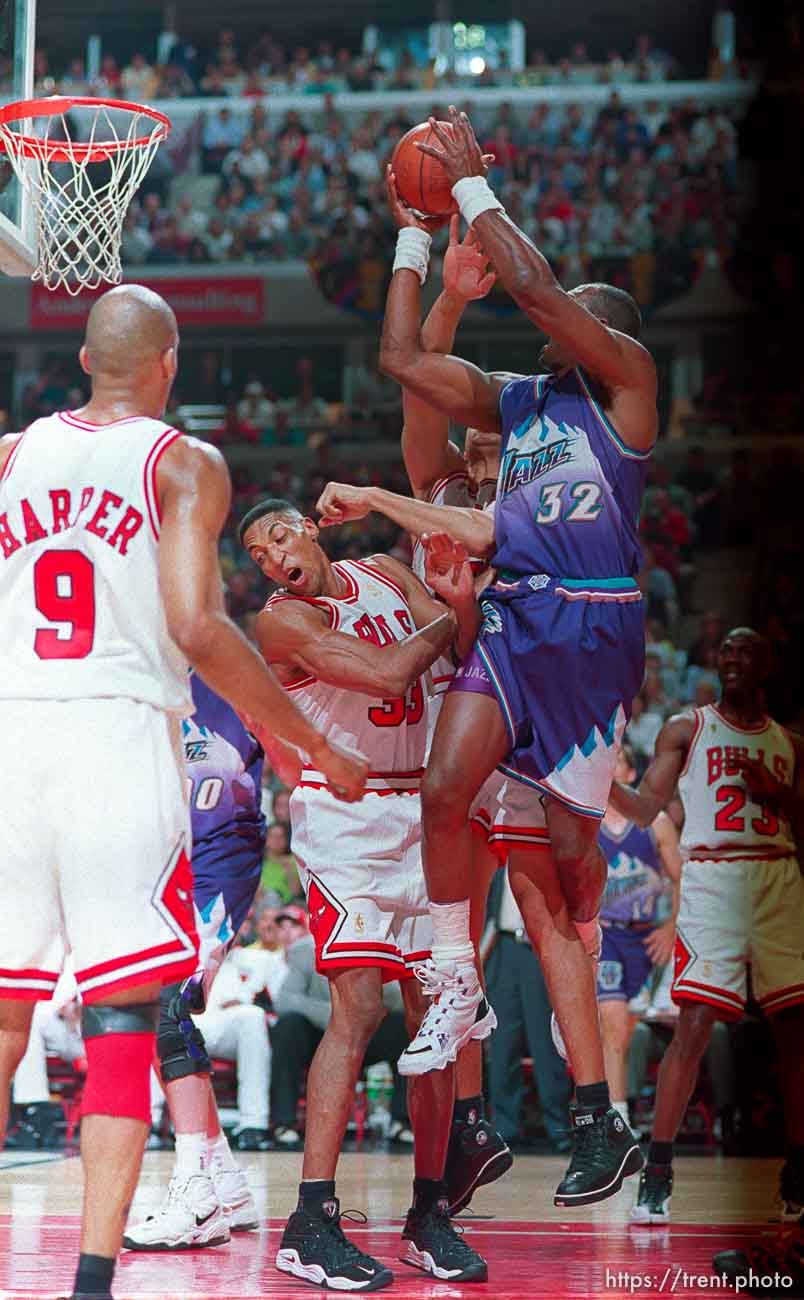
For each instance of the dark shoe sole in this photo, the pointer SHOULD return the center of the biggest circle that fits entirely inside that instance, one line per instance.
(494, 1168)
(163, 1246)
(632, 1163)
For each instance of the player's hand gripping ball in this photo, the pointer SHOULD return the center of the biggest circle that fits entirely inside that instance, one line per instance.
(421, 182)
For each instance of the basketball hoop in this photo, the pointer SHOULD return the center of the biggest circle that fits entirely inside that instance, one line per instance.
(79, 208)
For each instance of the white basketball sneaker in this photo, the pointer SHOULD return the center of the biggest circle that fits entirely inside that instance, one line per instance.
(234, 1194)
(190, 1218)
(459, 1012)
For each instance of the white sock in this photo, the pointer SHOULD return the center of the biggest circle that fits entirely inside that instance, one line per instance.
(191, 1150)
(219, 1153)
(621, 1108)
(452, 940)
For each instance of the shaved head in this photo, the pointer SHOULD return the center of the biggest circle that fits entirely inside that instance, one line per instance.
(129, 329)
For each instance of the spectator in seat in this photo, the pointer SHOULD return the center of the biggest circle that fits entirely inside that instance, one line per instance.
(56, 1029)
(708, 640)
(234, 428)
(255, 406)
(138, 80)
(304, 1010)
(235, 1029)
(305, 409)
(701, 482)
(222, 133)
(280, 876)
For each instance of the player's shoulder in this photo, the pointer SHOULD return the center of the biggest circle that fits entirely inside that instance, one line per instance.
(7, 444)
(390, 568)
(680, 728)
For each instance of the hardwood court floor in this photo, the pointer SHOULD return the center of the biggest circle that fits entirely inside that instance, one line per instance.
(533, 1249)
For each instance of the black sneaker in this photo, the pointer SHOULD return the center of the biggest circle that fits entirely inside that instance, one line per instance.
(791, 1191)
(476, 1155)
(40, 1127)
(315, 1249)
(772, 1268)
(252, 1139)
(605, 1152)
(653, 1199)
(432, 1244)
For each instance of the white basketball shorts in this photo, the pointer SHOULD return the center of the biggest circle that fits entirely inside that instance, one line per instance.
(733, 913)
(361, 867)
(94, 845)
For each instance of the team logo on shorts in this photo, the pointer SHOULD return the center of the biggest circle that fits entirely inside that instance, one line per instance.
(538, 581)
(360, 923)
(609, 976)
(492, 619)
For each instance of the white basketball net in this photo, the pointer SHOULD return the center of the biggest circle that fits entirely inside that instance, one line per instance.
(80, 205)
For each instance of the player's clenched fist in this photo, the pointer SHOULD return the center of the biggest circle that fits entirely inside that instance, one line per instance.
(345, 772)
(341, 502)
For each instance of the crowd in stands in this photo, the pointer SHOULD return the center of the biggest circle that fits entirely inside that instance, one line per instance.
(265, 67)
(656, 183)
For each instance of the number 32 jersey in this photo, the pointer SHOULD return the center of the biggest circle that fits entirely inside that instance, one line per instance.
(81, 607)
(722, 820)
(391, 733)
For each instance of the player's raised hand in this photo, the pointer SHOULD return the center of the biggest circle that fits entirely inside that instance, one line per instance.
(466, 267)
(459, 153)
(405, 216)
(345, 771)
(447, 569)
(341, 502)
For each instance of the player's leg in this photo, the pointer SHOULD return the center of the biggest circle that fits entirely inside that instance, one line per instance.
(15, 1026)
(477, 1153)
(604, 1149)
(470, 740)
(617, 1027)
(119, 1036)
(313, 1246)
(429, 1241)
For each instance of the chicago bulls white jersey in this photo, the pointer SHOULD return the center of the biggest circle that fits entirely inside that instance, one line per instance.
(81, 607)
(721, 819)
(392, 733)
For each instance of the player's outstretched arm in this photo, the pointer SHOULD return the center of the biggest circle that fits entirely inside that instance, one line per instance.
(452, 385)
(656, 788)
(295, 634)
(194, 492)
(474, 529)
(426, 449)
(617, 360)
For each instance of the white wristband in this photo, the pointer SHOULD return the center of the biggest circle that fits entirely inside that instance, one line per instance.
(413, 251)
(474, 196)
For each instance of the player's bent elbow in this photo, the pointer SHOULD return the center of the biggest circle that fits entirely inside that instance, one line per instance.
(395, 361)
(194, 636)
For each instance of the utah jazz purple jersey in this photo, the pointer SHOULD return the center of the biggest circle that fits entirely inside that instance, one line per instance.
(224, 766)
(562, 644)
(569, 489)
(223, 763)
(635, 883)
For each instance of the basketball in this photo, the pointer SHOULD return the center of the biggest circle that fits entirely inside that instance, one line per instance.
(421, 181)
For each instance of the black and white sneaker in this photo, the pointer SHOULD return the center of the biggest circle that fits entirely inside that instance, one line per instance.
(652, 1204)
(791, 1191)
(458, 1013)
(476, 1156)
(605, 1152)
(430, 1242)
(315, 1248)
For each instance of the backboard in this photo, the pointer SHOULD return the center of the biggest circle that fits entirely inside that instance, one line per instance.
(17, 233)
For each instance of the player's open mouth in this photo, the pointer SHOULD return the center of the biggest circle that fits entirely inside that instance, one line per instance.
(295, 575)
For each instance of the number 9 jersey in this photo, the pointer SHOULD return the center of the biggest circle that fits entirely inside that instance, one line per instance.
(79, 583)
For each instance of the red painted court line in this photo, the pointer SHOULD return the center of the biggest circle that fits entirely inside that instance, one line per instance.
(527, 1260)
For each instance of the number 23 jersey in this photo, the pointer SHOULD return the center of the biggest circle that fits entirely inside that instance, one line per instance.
(81, 606)
(721, 818)
(391, 733)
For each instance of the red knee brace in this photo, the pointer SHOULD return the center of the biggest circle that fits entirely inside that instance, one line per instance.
(119, 1076)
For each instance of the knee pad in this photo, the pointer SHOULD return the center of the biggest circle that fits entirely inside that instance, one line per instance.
(119, 1045)
(180, 1044)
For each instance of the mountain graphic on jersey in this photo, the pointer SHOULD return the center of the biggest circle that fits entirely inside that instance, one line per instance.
(636, 881)
(535, 448)
(223, 764)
